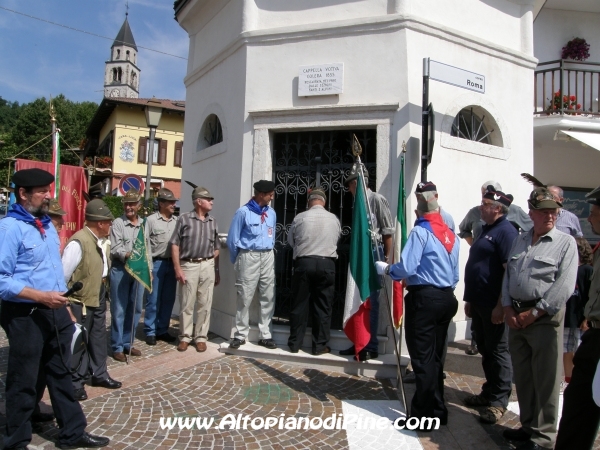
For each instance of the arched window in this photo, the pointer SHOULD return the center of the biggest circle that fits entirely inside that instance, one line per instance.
(470, 125)
(211, 132)
(127, 55)
(118, 54)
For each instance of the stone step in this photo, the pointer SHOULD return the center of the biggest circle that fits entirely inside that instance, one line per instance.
(337, 341)
(382, 367)
(459, 362)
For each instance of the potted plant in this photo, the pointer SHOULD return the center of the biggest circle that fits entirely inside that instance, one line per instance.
(576, 49)
(564, 102)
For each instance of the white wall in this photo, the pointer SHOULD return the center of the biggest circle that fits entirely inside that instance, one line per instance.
(553, 28)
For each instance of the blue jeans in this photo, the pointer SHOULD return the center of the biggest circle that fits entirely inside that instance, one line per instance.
(124, 292)
(159, 303)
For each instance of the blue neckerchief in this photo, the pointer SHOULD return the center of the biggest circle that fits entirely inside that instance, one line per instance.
(256, 209)
(18, 212)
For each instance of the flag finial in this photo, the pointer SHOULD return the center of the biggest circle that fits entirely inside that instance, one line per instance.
(356, 147)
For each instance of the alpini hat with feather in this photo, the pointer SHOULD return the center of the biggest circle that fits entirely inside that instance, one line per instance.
(540, 197)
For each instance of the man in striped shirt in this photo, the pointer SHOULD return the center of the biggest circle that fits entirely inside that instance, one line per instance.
(195, 253)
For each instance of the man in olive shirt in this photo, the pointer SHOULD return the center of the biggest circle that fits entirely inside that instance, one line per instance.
(539, 279)
(195, 251)
(581, 415)
(313, 235)
(159, 304)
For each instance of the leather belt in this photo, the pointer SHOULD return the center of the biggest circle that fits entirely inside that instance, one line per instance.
(524, 304)
(593, 323)
(420, 287)
(164, 259)
(196, 260)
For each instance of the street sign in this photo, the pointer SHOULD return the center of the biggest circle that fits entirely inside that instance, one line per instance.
(457, 77)
(131, 181)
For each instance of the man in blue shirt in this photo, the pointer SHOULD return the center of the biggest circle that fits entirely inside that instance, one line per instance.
(483, 285)
(250, 241)
(429, 264)
(35, 318)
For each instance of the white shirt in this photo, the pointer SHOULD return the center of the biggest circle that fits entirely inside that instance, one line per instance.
(72, 255)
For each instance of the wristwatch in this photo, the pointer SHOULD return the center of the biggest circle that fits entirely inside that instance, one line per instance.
(387, 270)
(534, 312)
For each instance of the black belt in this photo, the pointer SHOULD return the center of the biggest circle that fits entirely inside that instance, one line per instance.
(524, 304)
(316, 257)
(420, 287)
(196, 260)
(164, 259)
(23, 305)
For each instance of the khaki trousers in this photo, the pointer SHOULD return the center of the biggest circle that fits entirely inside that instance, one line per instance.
(195, 298)
(537, 366)
(254, 270)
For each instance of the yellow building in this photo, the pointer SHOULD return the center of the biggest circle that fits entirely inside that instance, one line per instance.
(119, 143)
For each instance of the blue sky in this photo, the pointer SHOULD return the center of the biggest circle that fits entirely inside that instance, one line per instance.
(38, 59)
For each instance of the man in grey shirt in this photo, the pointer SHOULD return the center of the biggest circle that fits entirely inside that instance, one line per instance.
(159, 304)
(567, 222)
(126, 294)
(313, 235)
(539, 279)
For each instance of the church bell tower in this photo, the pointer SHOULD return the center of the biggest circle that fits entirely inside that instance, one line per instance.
(122, 75)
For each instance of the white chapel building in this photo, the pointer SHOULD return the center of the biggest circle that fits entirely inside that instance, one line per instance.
(252, 112)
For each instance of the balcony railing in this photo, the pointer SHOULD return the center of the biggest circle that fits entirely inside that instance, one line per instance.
(567, 87)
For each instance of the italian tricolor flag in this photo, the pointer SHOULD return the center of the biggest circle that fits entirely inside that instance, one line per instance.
(400, 241)
(362, 276)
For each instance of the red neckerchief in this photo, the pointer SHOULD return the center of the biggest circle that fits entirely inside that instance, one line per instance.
(40, 226)
(435, 224)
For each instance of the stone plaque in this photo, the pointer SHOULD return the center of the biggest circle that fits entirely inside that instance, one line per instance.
(323, 79)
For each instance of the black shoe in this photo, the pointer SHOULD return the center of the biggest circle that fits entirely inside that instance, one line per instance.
(516, 435)
(323, 351)
(150, 340)
(409, 378)
(166, 337)
(293, 350)
(41, 417)
(107, 383)
(365, 355)
(86, 441)
(529, 445)
(235, 343)
(268, 343)
(80, 394)
(348, 352)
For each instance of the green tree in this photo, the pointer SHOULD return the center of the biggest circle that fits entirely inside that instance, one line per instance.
(32, 124)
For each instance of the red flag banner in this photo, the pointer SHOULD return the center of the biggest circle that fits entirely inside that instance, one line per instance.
(73, 182)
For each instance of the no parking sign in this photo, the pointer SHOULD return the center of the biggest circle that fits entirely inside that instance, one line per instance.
(131, 181)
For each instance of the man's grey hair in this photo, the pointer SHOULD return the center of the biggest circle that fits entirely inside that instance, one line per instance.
(491, 183)
(561, 193)
(503, 207)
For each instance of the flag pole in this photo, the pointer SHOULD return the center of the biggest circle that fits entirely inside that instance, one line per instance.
(137, 288)
(357, 151)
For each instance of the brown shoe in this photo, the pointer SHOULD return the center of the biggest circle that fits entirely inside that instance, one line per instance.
(182, 347)
(119, 356)
(200, 347)
(132, 351)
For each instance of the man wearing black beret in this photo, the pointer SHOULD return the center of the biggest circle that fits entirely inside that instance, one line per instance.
(251, 239)
(483, 285)
(35, 318)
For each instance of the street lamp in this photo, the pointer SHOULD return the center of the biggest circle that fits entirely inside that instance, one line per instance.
(153, 113)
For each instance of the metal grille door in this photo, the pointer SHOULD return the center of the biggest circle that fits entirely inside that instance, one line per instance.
(303, 160)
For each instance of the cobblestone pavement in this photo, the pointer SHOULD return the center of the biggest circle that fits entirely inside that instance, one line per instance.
(164, 383)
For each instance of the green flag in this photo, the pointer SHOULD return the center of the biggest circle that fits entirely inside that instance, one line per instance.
(138, 263)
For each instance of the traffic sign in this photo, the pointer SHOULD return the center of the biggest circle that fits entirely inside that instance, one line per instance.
(131, 181)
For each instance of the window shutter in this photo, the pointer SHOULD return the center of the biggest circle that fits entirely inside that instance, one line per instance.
(162, 153)
(178, 153)
(143, 151)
